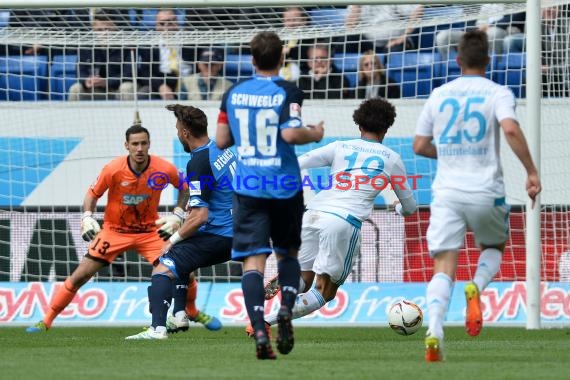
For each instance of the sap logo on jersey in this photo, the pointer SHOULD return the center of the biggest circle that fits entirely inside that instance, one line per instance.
(133, 199)
(250, 100)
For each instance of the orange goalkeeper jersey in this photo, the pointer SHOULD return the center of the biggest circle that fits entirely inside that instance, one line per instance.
(133, 199)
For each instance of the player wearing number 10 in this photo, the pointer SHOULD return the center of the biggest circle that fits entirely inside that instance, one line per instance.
(261, 116)
(331, 225)
(459, 125)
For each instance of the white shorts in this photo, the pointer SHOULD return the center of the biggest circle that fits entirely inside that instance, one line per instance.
(328, 245)
(449, 221)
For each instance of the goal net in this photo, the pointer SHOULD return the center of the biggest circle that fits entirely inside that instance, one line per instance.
(58, 128)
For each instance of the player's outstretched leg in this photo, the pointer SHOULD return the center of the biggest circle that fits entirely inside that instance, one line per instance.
(434, 349)
(473, 315)
(63, 297)
(177, 322)
(272, 287)
(285, 340)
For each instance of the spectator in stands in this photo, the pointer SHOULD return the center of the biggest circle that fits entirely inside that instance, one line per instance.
(372, 79)
(294, 50)
(498, 26)
(44, 19)
(104, 71)
(165, 64)
(207, 84)
(555, 29)
(320, 81)
(386, 39)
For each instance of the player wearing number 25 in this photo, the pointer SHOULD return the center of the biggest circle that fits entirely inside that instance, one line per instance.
(459, 125)
(131, 216)
(261, 116)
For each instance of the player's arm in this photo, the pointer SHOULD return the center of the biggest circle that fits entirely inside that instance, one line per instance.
(200, 193)
(196, 218)
(303, 135)
(291, 125)
(224, 138)
(398, 179)
(505, 113)
(518, 144)
(89, 226)
(171, 223)
(317, 158)
(424, 146)
(423, 141)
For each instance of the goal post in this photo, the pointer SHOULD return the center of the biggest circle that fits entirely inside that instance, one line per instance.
(533, 244)
(51, 149)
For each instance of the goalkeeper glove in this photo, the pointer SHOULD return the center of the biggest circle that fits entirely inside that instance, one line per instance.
(89, 226)
(170, 224)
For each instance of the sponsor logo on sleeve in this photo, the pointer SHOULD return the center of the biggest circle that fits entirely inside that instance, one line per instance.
(295, 110)
(195, 188)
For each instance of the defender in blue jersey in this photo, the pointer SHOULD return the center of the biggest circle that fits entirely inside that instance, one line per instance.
(261, 116)
(205, 238)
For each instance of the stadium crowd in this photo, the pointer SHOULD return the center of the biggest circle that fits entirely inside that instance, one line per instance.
(325, 68)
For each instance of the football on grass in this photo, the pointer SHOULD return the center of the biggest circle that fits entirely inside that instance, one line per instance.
(405, 317)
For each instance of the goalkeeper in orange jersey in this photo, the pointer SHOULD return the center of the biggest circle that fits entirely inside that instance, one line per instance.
(134, 183)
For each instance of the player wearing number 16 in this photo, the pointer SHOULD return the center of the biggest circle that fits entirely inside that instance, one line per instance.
(133, 184)
(261, 116)
(459, 125)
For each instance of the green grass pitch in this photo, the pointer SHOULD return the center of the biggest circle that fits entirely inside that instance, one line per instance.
(319, 353)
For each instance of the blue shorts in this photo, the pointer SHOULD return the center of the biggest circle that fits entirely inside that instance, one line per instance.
(257, 221)
(198, 251)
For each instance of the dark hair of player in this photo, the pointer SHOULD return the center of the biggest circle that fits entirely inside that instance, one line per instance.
(193, 119)
(134, 129)
(473, 49)
(375, 115)
(267, 50)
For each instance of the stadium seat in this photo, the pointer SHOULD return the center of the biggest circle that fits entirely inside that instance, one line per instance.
(328, 16)
(23, 77)
(348, 65)
(427, 33)
(513, 68)
(63, 75)
(4, 18)
(238, 66)
(414, 71)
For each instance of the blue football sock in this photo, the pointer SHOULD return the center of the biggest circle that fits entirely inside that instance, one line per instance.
(160, 297)
(289, 275)
(179, 290)
(254, 298)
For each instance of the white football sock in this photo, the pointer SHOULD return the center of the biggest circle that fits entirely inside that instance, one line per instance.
(487, 267)
(437, 296)
(160, 329)
(301, 284)
(305, 304)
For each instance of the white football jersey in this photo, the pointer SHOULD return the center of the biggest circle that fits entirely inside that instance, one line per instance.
(360, 170)
(463, 117)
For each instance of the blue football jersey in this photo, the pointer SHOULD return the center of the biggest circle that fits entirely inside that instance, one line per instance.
(257, 110)
(209, 174)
